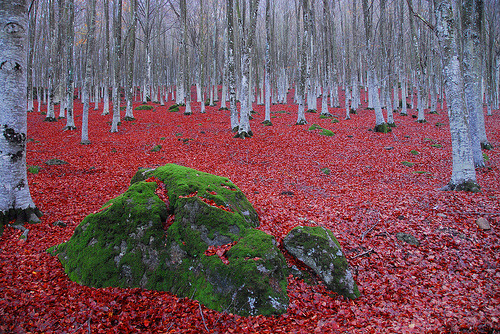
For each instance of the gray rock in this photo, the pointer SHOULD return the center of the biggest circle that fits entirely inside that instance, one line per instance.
(318, 248)
(408, 238)
(483, 223)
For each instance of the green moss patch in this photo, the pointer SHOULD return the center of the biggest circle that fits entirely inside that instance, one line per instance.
(407, 163)
(144, 107)
(34, 169)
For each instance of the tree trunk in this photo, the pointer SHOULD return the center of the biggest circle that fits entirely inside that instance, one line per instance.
(472, 19)
(15, 199)
(129, 112)
(231, 70)
(463, 176)
(106, 74)
(70, 35)
(91, 13)
(247, 39)
(117, 27)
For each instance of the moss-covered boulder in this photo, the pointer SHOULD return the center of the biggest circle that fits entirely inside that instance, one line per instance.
(318, 248)
(181, 230)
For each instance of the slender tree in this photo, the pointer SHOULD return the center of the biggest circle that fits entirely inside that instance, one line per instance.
(15, 199)
(90, 41)
(70, 36)
(463, 176)
(117, 37)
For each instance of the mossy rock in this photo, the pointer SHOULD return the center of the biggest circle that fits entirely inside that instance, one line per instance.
(326, 132)
(314, 127)
(318, 249)
(469, 186)
(144, 107)
(55, 162)
(382, 128)
(129, 244)
(156, 148)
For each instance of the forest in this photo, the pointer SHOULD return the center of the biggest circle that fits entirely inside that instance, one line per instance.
(368, 117)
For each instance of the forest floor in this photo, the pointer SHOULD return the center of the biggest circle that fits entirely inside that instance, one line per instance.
(449, 283)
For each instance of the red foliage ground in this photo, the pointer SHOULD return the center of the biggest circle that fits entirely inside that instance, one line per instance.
(447, 284)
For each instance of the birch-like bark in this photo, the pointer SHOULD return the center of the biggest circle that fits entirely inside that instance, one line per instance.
(373, 85)
(301, 89)
(267, 79)
(51, 116)
(247, 37)
(106, 74)
(91, 12)
(31, 52)
(70, 36)
(129, 89)
(472, 19)
(463, 175)
(117, 27)
(231, 75)
(15, 199)
(185, 58)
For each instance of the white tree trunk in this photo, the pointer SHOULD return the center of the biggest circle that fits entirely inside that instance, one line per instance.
(463, 175)
(15, 198)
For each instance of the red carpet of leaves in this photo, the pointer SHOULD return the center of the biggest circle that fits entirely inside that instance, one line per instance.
(450, 283)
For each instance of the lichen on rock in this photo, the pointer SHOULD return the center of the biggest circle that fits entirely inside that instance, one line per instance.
(318, 249)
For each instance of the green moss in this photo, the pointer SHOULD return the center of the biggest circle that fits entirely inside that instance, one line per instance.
(486, 157)
(156, 148)
(326, 132)
(34, 169)
(92, 255)
(314, 127)
(267, 123)
(325, 170)
(335, 120)
(144, 107)
(414, 152)
(407, 164)
(325, 116)
(382, 128)
(437, 145)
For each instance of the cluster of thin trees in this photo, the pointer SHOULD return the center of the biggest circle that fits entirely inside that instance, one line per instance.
(401, 52)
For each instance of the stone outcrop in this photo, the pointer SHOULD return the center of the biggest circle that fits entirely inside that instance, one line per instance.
(318, 249)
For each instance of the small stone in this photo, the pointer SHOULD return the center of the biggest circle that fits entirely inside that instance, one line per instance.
(483, 223)
(59, 223)
(408, 238)
(388, 148)
(442, 215)
(53, 162)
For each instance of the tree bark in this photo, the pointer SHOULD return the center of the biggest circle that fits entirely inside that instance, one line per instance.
(91, 13)
(117, 27)
(463, 175)
(15, 199)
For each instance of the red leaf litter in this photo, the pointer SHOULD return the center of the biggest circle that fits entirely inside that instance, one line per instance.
(447, 284)
(161, 190)
(220, 251)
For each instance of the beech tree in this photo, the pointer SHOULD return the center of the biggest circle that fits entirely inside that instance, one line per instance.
(463, 175)
(90, 42)
(15, 199)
